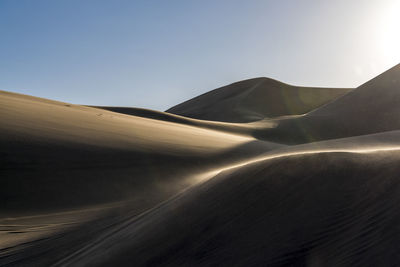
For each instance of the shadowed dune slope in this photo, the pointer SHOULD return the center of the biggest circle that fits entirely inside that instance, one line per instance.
(318, 209)
(56, 155)
(255, 99)
(372, 107)
(332, 203)
(334, 209)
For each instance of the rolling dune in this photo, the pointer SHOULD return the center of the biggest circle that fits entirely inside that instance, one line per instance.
(256, 173)
(64, 165)
(314, 206)
(321, 209)
(76, 155)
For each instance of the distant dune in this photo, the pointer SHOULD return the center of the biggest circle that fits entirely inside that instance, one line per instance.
(371, 108)
(256, 173)
(256, 99)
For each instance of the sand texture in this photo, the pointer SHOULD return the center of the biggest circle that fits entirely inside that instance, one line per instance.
(256, 173)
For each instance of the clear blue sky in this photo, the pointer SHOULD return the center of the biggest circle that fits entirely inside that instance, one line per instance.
(156, 54)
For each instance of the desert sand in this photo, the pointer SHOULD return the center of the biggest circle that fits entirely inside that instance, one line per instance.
(256, 99)
(256, 173)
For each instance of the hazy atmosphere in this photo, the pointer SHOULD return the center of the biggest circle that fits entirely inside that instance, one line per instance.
(155, 54)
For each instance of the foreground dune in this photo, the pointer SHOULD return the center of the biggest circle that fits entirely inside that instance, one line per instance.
(302, 208)
(311, 210)
(58, 156)
(75, 155)
(270, 186)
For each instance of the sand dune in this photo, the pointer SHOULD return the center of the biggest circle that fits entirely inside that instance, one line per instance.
(267, 186)
(58, 155)
(300, 208)
(256, 99)
(311, 210)
(371, 108)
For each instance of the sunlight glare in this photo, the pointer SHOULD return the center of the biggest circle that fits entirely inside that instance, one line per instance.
(390, 30)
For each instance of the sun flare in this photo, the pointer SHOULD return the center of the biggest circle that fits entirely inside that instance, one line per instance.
(390, 30)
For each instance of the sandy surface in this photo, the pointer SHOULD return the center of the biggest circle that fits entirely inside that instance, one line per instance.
(256, 99)
(113, 186)
(371, 108)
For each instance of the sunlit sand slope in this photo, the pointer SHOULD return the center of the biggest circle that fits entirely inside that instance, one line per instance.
(57, 155)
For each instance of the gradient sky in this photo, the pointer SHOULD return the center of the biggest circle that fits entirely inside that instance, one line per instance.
(155, 54)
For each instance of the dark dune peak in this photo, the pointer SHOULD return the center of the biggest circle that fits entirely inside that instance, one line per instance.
(381, 93)
(255, 99)
(370, 108)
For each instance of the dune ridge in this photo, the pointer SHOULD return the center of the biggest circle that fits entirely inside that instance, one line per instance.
(245, 129)
(256, 99)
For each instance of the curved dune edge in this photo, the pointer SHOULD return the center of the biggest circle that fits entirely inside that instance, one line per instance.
(245, 129)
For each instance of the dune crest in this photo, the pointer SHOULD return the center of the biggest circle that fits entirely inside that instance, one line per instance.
(256, 99)
(371, 108)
